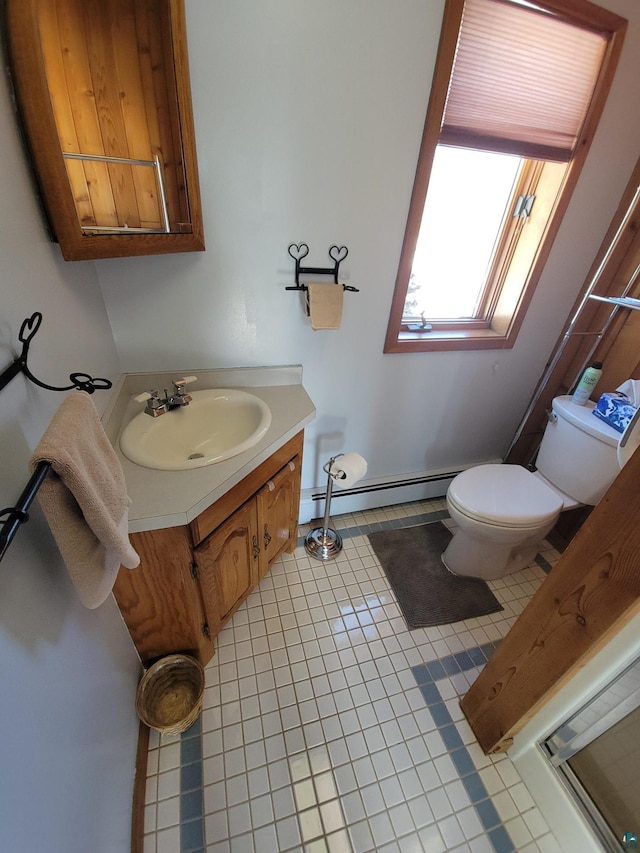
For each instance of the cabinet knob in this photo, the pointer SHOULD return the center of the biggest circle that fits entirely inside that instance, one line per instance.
(256, 548)
(266, 537)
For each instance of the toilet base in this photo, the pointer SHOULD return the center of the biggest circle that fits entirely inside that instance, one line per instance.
(472, 557)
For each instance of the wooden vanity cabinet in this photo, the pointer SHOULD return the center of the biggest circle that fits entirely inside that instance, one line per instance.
(227, 564)
(160, 600)
(192, 578)
(277, 505)
(233, 559)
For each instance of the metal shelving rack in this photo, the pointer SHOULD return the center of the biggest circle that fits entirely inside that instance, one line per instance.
(616, 302)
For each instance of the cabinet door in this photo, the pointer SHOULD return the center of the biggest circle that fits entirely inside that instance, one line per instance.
(227, 564)
(278, 506)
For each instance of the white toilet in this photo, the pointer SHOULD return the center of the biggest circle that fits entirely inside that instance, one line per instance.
(504, 511)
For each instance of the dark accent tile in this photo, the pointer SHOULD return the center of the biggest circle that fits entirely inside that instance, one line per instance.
(436, 670)
(474, 786)
(421, 674)
(488, 649)
(499, 837)
(463, 660)
(463, 763)
(195, 729)
(544, 565)
(451, 738)
(440, 714)
(192, 836)
(477, 656)
(191, 776)
(190, 750)
(414, 519)
(488, 814)
(431, 694)
(191, 806)
(450, 665)
(430, 517)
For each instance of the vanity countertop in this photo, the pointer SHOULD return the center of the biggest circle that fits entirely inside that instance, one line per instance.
(171, 498)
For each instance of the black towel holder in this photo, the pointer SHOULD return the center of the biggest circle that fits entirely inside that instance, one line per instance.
(298, 251)
(28, 329)
(12, 517)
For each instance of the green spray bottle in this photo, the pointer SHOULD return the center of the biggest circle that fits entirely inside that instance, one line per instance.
(587, 383)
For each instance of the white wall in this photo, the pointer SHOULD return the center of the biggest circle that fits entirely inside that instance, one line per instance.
(308, 123)
(308, 120)
(68, 675)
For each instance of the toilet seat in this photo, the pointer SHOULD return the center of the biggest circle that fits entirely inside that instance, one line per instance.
(504, 496)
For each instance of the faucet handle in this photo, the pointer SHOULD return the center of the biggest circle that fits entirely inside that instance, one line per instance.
(186, 380)
(155, 405)
(147, 395)
(180, 395)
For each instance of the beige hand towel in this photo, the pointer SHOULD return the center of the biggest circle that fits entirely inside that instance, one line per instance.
(84, 498)
(325, 305)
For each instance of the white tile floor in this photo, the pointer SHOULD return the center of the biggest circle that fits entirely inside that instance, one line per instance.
(317, 735)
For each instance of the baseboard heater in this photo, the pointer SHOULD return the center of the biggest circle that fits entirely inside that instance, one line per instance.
(390, 484)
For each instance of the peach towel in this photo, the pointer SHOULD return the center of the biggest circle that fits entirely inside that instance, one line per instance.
(325, 305)
(84, 498)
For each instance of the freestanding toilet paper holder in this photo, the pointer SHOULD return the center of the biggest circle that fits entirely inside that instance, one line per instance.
(323, 543)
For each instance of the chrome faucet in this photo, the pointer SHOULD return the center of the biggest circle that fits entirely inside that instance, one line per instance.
(157, 405)
(179, 396)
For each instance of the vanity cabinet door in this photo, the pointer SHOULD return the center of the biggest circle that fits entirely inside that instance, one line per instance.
(278, 503)
(227, 563)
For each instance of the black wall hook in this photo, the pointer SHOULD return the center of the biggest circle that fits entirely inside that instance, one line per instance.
(81, 381)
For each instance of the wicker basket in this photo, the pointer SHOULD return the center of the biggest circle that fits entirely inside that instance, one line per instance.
(169, 696)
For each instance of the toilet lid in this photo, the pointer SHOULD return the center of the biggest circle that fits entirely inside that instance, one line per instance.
(505, 495)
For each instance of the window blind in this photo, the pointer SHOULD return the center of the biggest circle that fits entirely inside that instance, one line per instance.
(522, 80)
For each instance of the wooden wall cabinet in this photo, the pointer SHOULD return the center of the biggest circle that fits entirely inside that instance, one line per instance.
(192, 578)
(104, 96)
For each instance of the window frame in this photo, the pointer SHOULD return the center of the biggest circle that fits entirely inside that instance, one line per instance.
(499, 330)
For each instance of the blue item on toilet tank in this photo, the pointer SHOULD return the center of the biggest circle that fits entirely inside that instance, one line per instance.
(615, 409)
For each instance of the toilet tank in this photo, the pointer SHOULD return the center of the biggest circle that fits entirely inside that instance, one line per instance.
(578, 452)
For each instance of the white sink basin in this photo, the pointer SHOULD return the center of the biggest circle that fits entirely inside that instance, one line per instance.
(216, 425)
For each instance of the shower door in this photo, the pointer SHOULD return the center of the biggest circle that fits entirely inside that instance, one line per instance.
(597, 755)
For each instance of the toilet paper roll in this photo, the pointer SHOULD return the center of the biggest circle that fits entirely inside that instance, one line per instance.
(348, 469)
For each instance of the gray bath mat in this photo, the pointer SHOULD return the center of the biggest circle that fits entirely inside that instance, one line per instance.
(428, 594)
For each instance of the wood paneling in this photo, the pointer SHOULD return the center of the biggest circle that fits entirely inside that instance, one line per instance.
(113, 93)
(590, 594)
(108, 78)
